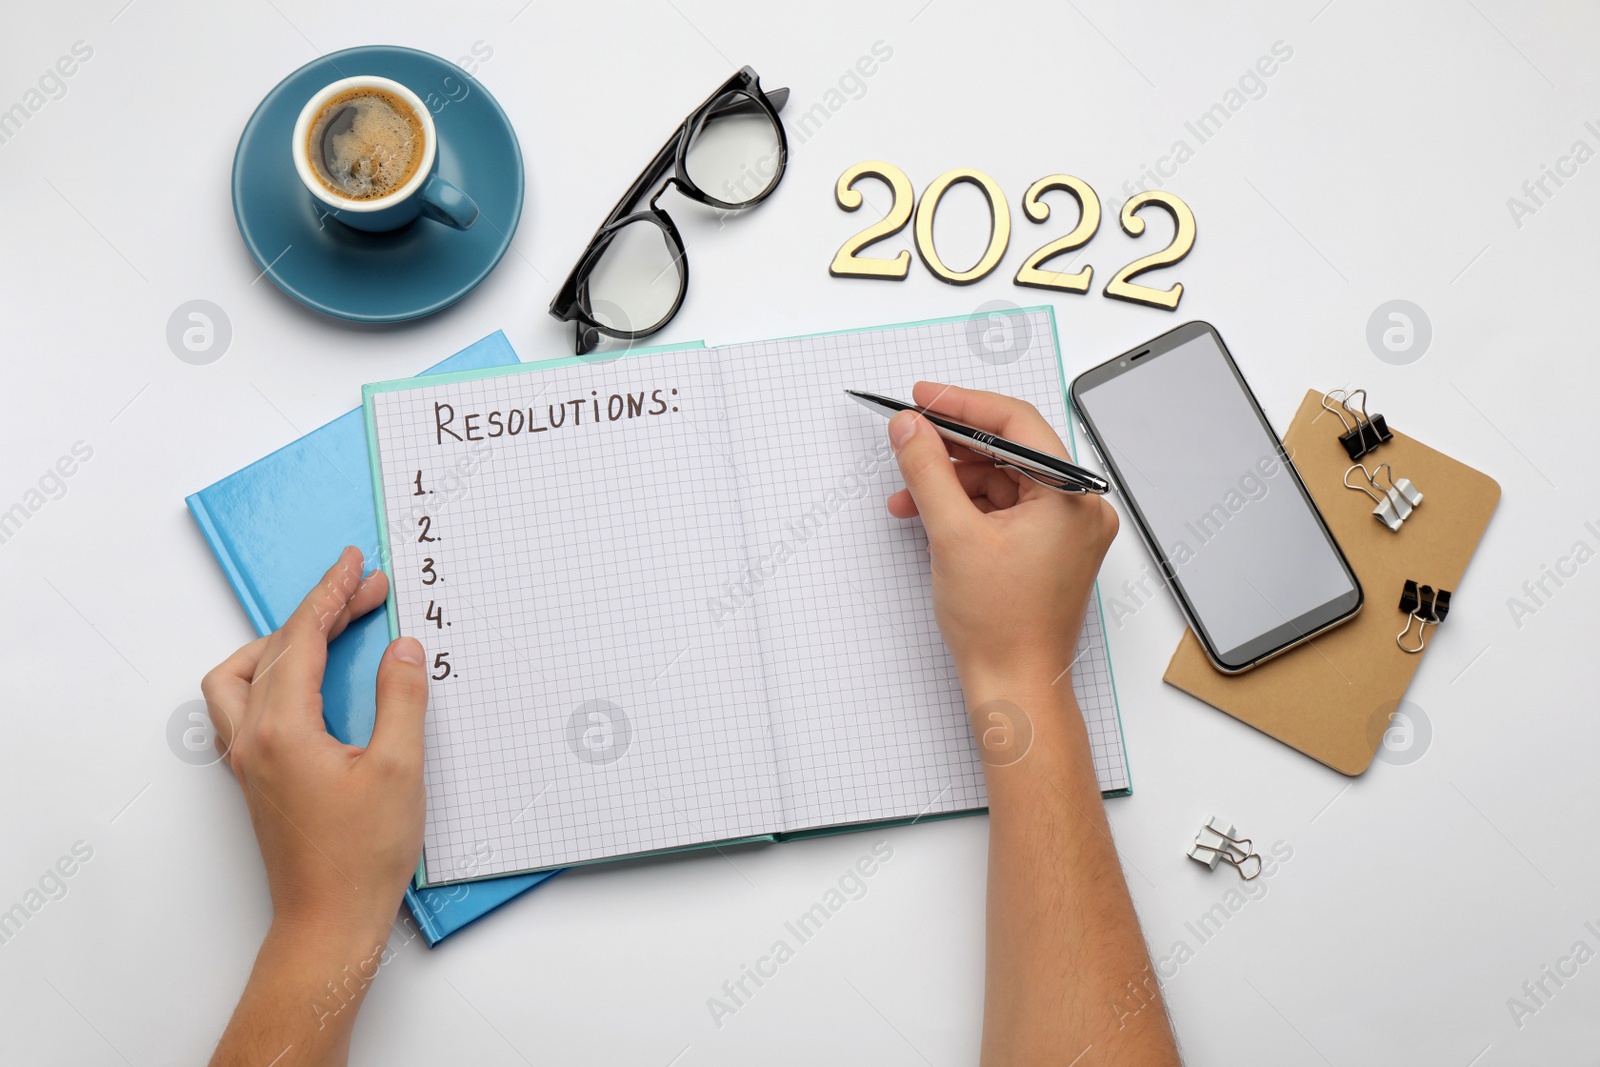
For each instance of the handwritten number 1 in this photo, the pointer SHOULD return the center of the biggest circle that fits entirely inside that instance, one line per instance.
(419, 491)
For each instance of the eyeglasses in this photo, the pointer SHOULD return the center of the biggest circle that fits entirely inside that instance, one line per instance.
(729, 153)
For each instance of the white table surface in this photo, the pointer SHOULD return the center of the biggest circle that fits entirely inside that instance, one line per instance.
(1376, 165)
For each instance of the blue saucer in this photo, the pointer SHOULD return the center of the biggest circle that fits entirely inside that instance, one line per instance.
(383, 277)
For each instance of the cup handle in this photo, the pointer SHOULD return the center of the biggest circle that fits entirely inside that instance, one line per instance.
(443, 202)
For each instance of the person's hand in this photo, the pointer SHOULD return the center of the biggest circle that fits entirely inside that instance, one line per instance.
(339, 827)
(1013, 561)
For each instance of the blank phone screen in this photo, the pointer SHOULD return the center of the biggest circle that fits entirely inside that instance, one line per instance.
(1235, 530)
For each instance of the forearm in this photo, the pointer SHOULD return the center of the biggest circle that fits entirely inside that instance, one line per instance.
(300, 1004)
(1064, 946)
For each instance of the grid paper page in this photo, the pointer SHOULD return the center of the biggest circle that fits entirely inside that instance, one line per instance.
(868, 716)
(587, 705)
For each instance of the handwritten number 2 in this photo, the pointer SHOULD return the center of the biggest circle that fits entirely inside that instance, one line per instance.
(426, 524)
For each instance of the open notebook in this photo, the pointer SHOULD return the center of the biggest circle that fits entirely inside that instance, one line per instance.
(664, 606)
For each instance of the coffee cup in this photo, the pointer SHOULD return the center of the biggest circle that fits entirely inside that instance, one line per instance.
(366, 150)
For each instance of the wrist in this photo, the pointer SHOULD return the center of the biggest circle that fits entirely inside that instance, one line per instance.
(325, 939)
(1025, 719)
(1025, 680)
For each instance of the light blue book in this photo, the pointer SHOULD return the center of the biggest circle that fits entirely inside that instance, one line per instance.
(275, 527)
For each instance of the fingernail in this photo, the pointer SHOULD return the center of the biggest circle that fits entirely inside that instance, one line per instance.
(901, 427)
(407, 650)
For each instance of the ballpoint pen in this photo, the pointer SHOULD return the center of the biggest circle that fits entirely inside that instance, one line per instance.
(1043, 468)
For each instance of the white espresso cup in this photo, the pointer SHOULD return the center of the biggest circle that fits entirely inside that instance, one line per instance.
(423, 193)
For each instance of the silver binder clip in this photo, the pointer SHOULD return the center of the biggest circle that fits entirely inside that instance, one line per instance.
(1405, 496)
(1216, 844)
(1402, 488)
(1385, 512)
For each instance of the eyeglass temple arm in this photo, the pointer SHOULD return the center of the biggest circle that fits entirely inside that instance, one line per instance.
(652, 174)
(776, 97)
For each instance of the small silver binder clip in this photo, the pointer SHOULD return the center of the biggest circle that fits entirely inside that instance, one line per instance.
(1405, 497)
(1216, 844)
(1386, 512)
(1424, 606)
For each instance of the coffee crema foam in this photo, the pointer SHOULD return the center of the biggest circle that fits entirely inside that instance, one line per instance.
(365, 144)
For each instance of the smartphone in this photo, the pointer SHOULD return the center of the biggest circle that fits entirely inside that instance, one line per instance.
(1216, 498)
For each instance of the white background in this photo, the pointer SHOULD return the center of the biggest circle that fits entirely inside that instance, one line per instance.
(1377, 166)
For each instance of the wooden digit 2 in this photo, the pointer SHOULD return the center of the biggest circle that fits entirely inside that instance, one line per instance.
(1088, 224)
(846, 264)
(1120, 286)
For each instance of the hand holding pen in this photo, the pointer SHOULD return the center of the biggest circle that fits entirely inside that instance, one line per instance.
(1013, 559)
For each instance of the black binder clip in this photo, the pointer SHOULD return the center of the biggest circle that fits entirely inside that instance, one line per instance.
(1367, 433)
(1426, 607)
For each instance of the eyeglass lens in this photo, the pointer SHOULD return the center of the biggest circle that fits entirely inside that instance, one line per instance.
(734, 157)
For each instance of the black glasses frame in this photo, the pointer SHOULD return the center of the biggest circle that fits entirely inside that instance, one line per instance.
(571, 301)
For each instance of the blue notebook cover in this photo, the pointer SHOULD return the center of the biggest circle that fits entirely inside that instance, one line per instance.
(275, 527)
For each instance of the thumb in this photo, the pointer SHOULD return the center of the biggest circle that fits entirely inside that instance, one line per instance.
(926, 467)
(402, 705)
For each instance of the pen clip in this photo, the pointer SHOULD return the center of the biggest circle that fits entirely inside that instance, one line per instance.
(1060, 485)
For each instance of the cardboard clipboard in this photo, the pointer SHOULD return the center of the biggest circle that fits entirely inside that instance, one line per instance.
(1332, 697)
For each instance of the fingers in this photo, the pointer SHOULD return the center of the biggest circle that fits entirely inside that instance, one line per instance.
(1007, 416)
(373, 591)
(989, 487)
(934, 486)
(402, 707)
(297, 653)
(227, 691)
